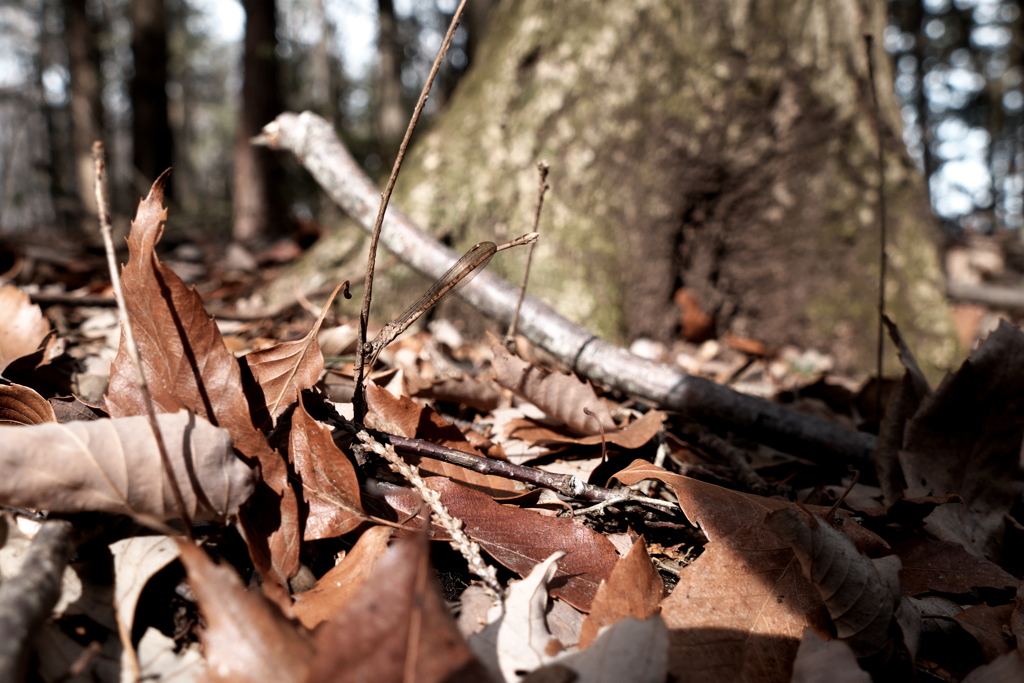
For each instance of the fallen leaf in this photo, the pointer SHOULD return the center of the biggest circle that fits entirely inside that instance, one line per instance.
(628, 650)
(634, 435)
(114, 466)
(22, 327)
(20, 405)
(344, 581)
(480, 396)
(740, 609)
(74, 409)
(136, 560)
(966, 439)
(1007, 668)
(402, 416)
(634, 589)
(246, 639)
(285, 370)
(933, 565)
(330, 486)
(520, 539)
(859, 601)
(517, 640)
(563, 397)
(826, 661)
(186, 364)
(396, 628)
(160, 660)
(990, 626)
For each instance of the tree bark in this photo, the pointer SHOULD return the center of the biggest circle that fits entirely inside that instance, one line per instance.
(152, 138)
(390, 117)
(86, 107)
(727, 147)
(259, 207)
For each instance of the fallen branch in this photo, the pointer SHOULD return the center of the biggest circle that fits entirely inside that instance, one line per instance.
(27, 598)
(317, 147)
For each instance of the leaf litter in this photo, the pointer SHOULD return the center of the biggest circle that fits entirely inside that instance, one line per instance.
(316, 562)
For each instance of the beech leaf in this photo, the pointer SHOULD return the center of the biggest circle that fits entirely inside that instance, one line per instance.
(246, 639)
(634, 589)
(563, 397)
(966, 439)
(186, 364)
(22, 325)
(330, 486)
(114, 466)
(396, 628)
(860, 603)
(287, 369)
(20, 405)
(826, 661)
(520, 539)
(342, 582)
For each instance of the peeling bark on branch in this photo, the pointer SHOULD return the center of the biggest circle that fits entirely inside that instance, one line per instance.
(316, 145)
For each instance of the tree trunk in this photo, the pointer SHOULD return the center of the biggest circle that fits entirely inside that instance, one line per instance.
(259, 208)
(152, 139)
(725, 147)
(85, 105)
(390, 118)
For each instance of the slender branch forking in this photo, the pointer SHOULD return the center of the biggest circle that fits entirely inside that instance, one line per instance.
(359, 398)
(456, 277)
(129, 337)
(542, 187)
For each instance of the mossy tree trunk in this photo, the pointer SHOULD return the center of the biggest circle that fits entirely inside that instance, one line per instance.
(727, 147)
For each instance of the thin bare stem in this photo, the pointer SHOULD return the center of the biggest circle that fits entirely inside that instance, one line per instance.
(883, 256)
(129, 337)
(359, 397)
(542, 188)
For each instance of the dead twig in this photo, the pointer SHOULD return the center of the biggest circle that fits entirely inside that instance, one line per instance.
(316, 145)
(883, 257)
(359, 398)
(542, 188)
(27, 598)
(129, 336)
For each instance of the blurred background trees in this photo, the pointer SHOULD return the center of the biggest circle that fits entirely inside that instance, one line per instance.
(186, 83)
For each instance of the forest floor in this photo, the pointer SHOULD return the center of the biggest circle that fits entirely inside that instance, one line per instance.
(534, 527)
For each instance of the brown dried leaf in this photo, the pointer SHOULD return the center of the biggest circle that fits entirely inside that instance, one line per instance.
(20, 405)
(739, 610)
(342, 582)
(634, 589)
(329, 483)
(186, 364)
(632, 436)
(114, 466)
(521, 539)
(563, 397)
(396, 628)
(74, 409)
(22, 326)
(933, 565)
(966, 439)
(826, 661)
(860, 603)
(286, 370)
(990, 626)
(402, 416)
(1008, 668)
(481, 396)
(246, 639)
